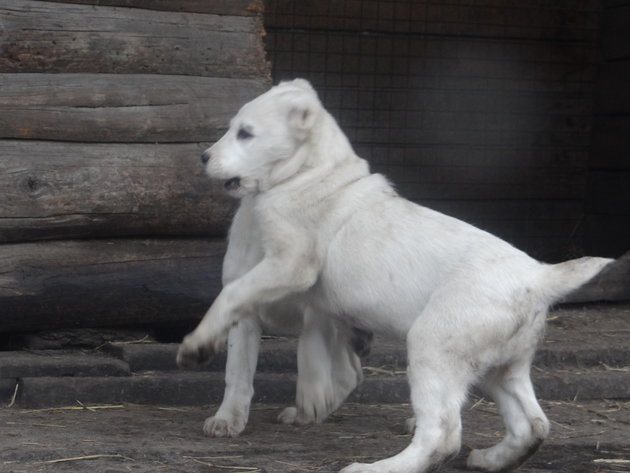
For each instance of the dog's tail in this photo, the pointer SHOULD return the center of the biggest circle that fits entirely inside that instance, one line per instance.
(561, 279)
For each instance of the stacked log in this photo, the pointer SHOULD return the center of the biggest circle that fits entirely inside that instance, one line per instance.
(106, 216)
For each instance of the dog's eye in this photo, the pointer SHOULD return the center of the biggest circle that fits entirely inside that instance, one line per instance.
(244, 134)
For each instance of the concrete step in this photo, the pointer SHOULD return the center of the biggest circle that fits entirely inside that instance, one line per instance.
(392, 356)
(276, 356)
(20, 364)
(585, 355)
(577, 336)
(198, 388)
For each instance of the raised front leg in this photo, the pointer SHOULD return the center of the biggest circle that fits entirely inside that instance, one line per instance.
(243, 345)
(291, 271)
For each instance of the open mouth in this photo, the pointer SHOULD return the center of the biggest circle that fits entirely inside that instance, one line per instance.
(232, 184)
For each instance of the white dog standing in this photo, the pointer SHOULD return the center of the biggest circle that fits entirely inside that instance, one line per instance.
(471, 307)
(329, 367)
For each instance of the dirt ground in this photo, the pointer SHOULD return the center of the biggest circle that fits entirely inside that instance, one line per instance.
(586, 437)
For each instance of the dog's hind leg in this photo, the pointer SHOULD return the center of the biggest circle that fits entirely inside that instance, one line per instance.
(243, 345)
(328, 370)
(439, 382)
(526, 424)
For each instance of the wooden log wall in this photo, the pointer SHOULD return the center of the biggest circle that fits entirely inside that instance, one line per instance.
(479, 109)
(118, 282)
(106, 216)
(607, 221)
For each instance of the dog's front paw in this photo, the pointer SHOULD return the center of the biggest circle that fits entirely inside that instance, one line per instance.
(192, 354)
(217, 426)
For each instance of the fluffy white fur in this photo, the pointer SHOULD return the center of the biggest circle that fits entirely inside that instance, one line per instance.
(471, 307)
(328, 367)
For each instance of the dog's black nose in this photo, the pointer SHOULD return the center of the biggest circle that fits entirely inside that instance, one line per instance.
(205, 157)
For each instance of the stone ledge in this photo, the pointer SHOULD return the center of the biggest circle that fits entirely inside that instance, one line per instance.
(200, 388)
(19, 364)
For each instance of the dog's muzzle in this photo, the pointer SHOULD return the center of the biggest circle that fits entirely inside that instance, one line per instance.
(231, 185)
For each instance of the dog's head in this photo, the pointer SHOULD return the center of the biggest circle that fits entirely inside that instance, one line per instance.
(261, 146)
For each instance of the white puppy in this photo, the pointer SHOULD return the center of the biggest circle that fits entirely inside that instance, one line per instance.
(471, 307)
(329, 367)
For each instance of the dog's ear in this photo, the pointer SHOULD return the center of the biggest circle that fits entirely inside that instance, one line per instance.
(303, 112)
(299, 83)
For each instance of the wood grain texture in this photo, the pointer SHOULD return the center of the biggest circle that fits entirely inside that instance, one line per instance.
(120, 107)
(68, 190)
(100, 283)
(219, 7)
(60, 37)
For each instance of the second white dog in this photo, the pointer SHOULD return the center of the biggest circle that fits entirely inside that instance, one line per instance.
(471, 307)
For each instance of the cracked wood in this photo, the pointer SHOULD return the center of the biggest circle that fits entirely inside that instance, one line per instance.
(74, 190)
(60, 37)
(120, 107)
(98, 283)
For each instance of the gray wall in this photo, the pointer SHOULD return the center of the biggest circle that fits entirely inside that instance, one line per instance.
(607, 223)
(479, 109)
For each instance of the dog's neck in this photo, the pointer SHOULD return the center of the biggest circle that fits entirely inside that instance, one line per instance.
(285, 170)
(326, 139)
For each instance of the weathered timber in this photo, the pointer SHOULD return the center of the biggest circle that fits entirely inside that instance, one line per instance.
(56, 190)
(120, 107)
(218, 7)
(101, 283)
(57, 37)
